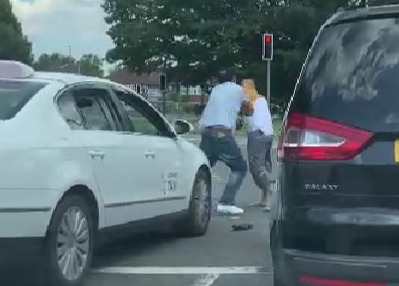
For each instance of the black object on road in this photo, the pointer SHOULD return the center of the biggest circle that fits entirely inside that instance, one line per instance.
(241, 227)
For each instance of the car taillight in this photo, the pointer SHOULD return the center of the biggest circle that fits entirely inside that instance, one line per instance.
(308, 138)
(327, 282)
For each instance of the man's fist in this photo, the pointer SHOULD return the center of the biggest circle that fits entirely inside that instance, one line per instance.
(246, 109)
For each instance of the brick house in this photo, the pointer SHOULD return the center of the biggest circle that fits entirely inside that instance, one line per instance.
(148, 85)
(145, 84)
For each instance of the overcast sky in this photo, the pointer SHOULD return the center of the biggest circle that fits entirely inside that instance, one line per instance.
(53, 25)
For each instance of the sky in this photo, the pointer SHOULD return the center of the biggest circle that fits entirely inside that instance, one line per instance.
(55, 26)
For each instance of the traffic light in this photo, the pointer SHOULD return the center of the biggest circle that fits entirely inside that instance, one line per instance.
(267, 44)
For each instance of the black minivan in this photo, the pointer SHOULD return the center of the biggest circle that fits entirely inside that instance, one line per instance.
(335, 218)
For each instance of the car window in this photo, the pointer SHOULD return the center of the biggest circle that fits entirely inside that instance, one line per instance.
(144, 118)
(352, 74)
(96, 114)
(69, 111)
(14, 95)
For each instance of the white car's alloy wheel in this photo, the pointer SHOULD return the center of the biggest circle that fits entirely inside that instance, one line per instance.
(73, 243)
(70, 242)
(199, 212)
(203, 201)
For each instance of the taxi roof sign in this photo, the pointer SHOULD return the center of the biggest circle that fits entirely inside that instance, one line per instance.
(14, 69)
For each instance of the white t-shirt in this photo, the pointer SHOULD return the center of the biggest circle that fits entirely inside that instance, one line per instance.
(261, 118)
(223, 106)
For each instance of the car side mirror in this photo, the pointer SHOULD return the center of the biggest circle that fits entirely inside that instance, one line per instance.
(183, 127)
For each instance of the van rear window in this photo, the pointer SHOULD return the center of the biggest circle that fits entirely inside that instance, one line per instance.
(352, 76)
(14, 95)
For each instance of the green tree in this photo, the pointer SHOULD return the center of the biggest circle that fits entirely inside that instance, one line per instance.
(13, 44)
(91, 65)
(191, 40)
(135, 33)
(55, 63)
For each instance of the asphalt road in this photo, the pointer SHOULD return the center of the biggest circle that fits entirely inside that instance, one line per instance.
(221, 258)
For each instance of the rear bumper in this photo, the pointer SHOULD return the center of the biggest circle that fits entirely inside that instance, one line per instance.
(307, 268)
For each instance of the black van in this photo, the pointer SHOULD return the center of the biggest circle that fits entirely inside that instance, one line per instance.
(336, 212)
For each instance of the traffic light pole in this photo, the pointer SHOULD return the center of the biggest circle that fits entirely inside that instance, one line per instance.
(268, 82)
(162, 87)
(164, 102)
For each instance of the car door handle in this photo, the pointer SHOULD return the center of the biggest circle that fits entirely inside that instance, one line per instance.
(150, 155)
(96, 154)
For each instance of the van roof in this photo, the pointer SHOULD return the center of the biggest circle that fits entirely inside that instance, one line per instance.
(366, 12)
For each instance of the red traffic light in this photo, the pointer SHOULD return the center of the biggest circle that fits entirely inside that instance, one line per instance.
(267, 47)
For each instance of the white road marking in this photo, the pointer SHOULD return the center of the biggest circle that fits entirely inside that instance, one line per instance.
(207, 280)
(182, 270)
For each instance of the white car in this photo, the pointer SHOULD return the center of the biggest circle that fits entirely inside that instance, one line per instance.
(83, 155)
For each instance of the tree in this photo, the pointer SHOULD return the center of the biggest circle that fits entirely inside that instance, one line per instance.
(180, 36)
(191, 40)
(13, 44)
(55, 63)
(91, 65)
(134, 32)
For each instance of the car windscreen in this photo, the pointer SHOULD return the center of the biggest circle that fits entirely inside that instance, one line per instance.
(14, 95)
(352, 75)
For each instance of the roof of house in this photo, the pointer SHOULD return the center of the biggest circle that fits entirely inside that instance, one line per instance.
(126, 77)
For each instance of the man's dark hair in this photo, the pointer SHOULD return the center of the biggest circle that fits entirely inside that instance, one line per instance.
(225, 76)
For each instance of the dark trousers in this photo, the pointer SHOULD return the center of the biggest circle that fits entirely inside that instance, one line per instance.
(259, 146)
(223, 147)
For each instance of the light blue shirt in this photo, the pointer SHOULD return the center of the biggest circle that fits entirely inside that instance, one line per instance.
(223, 106)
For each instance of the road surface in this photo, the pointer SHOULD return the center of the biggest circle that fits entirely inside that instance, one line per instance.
(221, 258)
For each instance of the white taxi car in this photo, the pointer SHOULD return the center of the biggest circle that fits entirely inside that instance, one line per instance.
(83, 155)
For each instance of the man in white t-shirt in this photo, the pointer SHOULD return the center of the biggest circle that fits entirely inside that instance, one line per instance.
(260, 139)
(218, 124)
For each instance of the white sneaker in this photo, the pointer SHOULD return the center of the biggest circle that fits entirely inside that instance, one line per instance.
(227, 209)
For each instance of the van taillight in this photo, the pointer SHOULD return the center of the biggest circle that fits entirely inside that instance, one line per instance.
(308, 280)
(308, 138)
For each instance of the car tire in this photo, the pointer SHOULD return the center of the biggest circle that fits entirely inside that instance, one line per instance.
(199, 212)
(273, 247)
(76, 241)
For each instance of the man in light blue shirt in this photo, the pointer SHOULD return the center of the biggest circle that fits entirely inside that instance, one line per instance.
(218, 124)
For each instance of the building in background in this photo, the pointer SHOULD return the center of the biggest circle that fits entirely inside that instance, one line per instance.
(194, 93)
(146, 85)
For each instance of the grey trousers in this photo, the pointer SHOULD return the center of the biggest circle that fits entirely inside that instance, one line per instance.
(259, 146)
